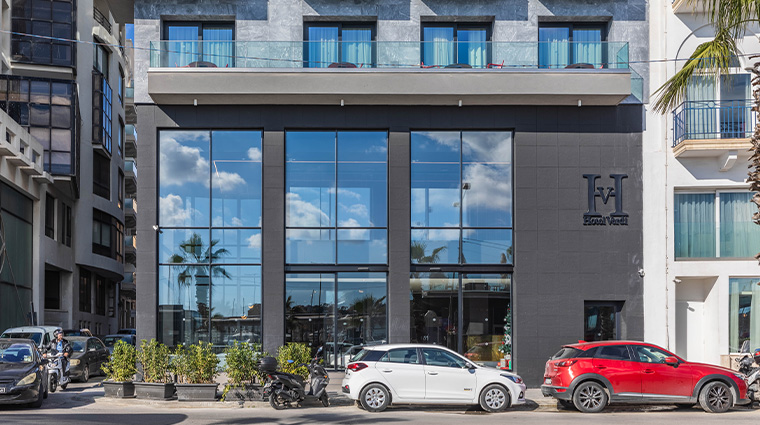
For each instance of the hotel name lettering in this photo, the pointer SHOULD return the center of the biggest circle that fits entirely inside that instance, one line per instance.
(616, 218)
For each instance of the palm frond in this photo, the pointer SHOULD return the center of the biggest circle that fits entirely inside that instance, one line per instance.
(733, 16)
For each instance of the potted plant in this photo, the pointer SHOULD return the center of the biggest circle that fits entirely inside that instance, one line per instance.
(299, 353)
(153, 357)
(241, 367)
(195, 368)
(120, 371)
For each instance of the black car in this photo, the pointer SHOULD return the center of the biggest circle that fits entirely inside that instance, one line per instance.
(76, 332)
(22, 375)
(89, 354)
(111, 340)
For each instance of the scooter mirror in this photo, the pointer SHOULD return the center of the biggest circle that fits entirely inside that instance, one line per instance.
(319, 351)
(745, 347)
(291, 361)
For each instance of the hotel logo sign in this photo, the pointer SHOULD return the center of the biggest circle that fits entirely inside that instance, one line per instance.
(594, 218)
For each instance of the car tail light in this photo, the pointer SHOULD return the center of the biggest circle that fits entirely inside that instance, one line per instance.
(355, 367)
(566, 363)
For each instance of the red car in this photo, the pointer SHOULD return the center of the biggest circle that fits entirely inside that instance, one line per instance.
(589, 375)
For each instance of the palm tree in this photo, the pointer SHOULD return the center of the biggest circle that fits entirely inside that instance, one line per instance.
(194, 263)
(730, 20)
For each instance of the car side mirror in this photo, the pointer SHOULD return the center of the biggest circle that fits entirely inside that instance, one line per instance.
(470, 366)
(671, 361)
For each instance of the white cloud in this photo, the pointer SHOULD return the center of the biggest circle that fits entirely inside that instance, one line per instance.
(174, 213)
(182, 164)
(233, 222)
(303, 214)
(490, 187)
(254, 241)
(352, 234)
(346, 193)
(254, 154)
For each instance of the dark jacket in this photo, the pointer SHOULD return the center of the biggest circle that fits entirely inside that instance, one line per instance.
(66, 347)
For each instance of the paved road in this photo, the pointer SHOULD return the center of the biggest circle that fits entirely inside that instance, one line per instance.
(83, 404)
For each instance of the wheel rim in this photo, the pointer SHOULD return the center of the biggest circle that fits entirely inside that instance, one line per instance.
(375, 398)
(591, 397)
(495, 398)
(86, 373)
(718, 397)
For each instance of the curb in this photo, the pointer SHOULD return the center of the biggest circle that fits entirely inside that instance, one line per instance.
(335, 401)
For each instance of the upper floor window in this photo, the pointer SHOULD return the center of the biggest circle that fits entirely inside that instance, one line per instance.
(107, 235)
(53, 22)
(49, 216)
(716, 108)
(101, 175)
(566, 44)
(338, 44)
(703, 231)
(199, 44)
(102, 103)
(100, 60)
(121, 85)
(446, 44)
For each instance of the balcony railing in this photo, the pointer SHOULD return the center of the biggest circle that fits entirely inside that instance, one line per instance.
(130, 166)
(130, 205)
(102, 19)
(129, 92)
(130, 242)
(388, 54)
(130, 129)
(713, 119)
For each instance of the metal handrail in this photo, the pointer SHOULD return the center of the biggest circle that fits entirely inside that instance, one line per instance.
(713, 119)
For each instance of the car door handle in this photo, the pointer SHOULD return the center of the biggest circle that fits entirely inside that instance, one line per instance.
(387, 370)
(601, 367)
(648, 371)
(432, 373)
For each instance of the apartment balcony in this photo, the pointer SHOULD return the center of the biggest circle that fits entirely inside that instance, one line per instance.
(130, 213)
(381, 73)
(130, 176)
(130, 141)
(130, 249)
(130, 112)
(21, 150)
(714, 128)
(128, 284)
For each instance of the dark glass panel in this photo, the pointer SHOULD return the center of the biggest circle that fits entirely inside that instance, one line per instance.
(41, 52)
(362, 314)
(61, 11)
(434, 308)
(44, 29)
(60, 116)
(21, 50)
(310, 311)
(60, 163)
(61, 93)
(19, 90)
(183, 304)
(486, 303)
(435, 246)
(236, 305)
(21, 8)
(40, 92)
(42, 134)
(60, 139)
(40, 115)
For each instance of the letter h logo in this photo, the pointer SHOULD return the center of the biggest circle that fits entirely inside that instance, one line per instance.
(595, 191)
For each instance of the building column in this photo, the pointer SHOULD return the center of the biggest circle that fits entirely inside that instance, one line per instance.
(147, 238)
(273, 241)
(399, 224)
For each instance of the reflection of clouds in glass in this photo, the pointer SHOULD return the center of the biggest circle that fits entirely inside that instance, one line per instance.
(345, 192)
(376, 149)
(254, 154)
(443, 205)
(303, 214)
(352, 234)
(218, 221)
(445, 139)
(356, 212)
(487, 146)
(254, 241)
(173, 211)
(185, 164)
(489, 187)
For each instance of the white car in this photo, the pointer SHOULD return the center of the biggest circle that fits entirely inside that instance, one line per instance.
(427, 374)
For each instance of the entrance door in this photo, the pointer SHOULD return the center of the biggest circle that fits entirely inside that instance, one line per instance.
(690, 340)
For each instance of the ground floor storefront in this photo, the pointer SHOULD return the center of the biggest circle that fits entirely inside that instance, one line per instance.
(499, 232)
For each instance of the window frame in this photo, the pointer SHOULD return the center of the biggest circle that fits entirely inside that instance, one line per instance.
(340, 25)
(617, 305)
(199, 25)
(455, 26)
(100, 170)
(50, 209)
(604, 26)
(26, 18)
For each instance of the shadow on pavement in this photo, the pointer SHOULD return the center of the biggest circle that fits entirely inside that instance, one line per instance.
(98, 418)
(322, 418)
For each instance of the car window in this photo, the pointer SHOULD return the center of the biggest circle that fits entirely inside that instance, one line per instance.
(566, 353)
(15, 353)
(46, 339)
(97, 344)
(650, 354)
(401, 355)
(36, 337)
(613, 352)
(78, 346)
(434, 357)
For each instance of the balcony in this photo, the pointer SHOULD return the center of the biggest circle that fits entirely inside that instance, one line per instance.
(130, 176)
(130, 142)
(130, 113)
(130, 249)
(713, 128)
(130, 213)
(377, 73)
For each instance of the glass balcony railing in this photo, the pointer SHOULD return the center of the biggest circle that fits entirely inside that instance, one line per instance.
(131, 130)
(713, 119)
(388, 54)
(130, 242)
(130, 166)
(129, 93)
(130, 204)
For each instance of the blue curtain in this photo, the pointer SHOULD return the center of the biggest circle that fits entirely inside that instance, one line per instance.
(218, 47)
(553, 47)
(587, 46)
(739, 236)
(472, 47)
(701, 120)
(438, 46)
(323, 47)
(182, 45)
(357, 46)
(735, 112)
(694, 225)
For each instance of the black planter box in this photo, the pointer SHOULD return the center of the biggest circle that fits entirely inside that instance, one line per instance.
(154, 391)
(119, 389)
(196, 392)
(241, 394)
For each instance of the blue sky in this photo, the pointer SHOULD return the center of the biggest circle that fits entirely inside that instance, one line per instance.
(131, 32)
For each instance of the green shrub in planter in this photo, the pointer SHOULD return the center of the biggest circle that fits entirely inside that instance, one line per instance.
(299, 353)
(154, 358)
(196, 364)
(242, 366)
(122, 366)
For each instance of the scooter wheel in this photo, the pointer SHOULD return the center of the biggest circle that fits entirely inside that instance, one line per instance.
(325, 401)
(275, 402)
(63, 386)
(52, 384)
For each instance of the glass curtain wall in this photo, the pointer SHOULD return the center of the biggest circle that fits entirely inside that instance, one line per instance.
(210, 240)
(336, 197)
(744, 313)
(340, 312)
(461, 197)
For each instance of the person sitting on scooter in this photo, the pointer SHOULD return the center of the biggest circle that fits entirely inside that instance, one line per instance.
(60, 345)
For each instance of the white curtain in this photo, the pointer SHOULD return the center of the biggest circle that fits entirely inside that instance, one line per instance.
(701, 120)
(438, 46)
(694, 225)
(739, 236)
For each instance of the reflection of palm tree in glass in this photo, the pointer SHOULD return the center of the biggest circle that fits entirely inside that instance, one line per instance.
(194, 262)
(367, 308)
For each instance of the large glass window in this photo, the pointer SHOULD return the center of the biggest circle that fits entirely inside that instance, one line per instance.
(464, 312)
(700, 234)
(107, 235)
(102, 103)
(200, 44)
(744, 313)
(452, 44)
(210, 241)
(601, 320)
(338, 44)
(461, 197)
(53, 22)
(562, 45)
(717, 108)
(16, 213)
(336, 197)
(338, 311)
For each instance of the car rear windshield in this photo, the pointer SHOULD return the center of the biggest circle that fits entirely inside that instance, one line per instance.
(567, 353)
(79, 346)
(110, 341)
(368, 355)
(36, 337)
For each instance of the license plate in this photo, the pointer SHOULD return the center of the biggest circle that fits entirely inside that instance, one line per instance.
(548, 381)
(2, 390)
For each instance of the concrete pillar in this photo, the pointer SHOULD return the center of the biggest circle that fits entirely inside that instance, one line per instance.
(147, 239)
(273, 241)
(399, 222)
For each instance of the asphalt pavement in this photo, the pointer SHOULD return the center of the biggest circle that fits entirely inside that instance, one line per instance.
(85, 404)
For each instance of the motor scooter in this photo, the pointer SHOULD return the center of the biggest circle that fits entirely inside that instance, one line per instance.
(747, 368)
(56, 375)
(282, 389)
